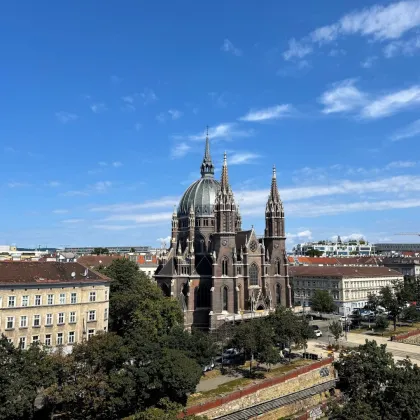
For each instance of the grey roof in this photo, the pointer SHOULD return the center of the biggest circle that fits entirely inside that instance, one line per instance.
(201, 195)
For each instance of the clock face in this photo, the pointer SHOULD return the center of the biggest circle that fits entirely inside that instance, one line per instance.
(253, 246)
(224, 242)
(276, 245)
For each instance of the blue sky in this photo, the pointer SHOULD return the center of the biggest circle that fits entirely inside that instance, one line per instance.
(104, 107)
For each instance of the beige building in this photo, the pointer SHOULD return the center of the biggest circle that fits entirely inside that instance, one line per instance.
(52, 303)
(349, 286)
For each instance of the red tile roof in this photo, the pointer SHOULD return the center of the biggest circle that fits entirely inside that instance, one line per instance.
(25, 272)
(341, 271)
(97, 260)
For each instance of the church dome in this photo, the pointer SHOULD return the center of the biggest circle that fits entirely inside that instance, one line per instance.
(201, 195)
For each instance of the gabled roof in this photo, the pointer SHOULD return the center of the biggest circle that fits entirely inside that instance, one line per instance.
(97, 260)
(342, 271)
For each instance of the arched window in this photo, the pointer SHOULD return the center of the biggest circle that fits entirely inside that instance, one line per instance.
(224, 298)
(225, 267)
(253, 275)
(278, 268)
(278, 294)
(165, 289)
(203, 296)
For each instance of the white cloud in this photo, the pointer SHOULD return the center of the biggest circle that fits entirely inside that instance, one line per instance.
(378, 23)
(230, 48)
(411, 130)
(406, 47)
(305, 234)
(175, 114)
(74, 193)
(102, 163)
(66, 117)
(180, 150)
(225, 131)
(401, 164)
(128, 207)
(60, 211)
(17, 184)
(137, 126)
(240, 158)
(98, 108)
(342, 97)
(166, 240)
(390, 104)
(351, 237)
(141, 218)
(274, 112)
(53, 184)
(161, 117)
(116, 80)
(148, 96)
(129, 98)
(114, 227)
(71, 221)
(116, 164)
(368, 62)
(101, 186)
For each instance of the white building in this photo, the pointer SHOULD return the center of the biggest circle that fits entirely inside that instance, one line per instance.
(338, 248)
(349, 286)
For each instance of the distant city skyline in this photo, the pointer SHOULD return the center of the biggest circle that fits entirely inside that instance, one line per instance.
(104, 114)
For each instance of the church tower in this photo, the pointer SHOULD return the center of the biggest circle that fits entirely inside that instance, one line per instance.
(274, 212)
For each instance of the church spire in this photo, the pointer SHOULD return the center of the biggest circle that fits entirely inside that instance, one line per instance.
(207, 167)
(224, 183)
(274, 192)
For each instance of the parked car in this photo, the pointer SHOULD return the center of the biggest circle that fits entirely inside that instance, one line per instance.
(230, 353)
(208, 367)
(318, 333)
(315, 327)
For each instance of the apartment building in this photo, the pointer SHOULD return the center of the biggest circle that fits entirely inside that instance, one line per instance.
(336, 248)
(57, 304)
(349, 286)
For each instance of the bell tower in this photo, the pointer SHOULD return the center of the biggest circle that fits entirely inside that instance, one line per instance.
(274, 212)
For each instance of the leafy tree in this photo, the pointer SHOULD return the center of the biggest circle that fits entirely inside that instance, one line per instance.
(132, 249)
(100, 251)
(166, 410)
(410, 314)
(314, 253)
(322, 301)
(283, 322)
(336, 329)
(245, 338)
(381, 323)
(373, 302)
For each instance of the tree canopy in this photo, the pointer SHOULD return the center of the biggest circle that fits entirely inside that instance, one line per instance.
(322, 301)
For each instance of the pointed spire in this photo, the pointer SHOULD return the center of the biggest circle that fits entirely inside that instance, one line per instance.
(174, 212)
(224, 183)
(274, 192)
(207, 167)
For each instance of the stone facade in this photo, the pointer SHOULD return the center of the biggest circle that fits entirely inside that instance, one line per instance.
(218, 271)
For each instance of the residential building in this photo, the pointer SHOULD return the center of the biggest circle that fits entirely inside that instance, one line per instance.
(146, 261)
(217, 270)
(53, 303)
(336, 248)
(86, 250)
(349, 286)
(389, 248)
(95, 261)
(407, 266)
(345, 261)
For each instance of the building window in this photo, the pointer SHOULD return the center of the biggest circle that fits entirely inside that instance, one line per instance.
(92, 296)
(61, 318)
(48, 339)
(10, 323)
(38, 300)
(25, 300)
(72, 337)
(35, 339)
(59, 339)
(253, 275)
(37, 321)
(278, 268)
(73, 298)
(22, 343)
(105, 314)
(62, 298)
(278, 294)
(106, 294)
(72, 318)
(91, 333)
(48, 319)
(92, 316)
(224, 267)
(238, 270)
(225, 298)
(12, 301)
(23, 321)
(50, 299)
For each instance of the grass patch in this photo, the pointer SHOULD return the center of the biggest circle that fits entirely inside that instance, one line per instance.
(401, 330)
(235, 384)
(211, 374)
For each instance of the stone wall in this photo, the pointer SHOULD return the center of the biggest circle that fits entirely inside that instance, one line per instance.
(412, 337)
(296, 380)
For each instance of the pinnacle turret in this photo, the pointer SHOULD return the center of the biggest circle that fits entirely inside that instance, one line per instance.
(207, 167)
(274, 192)
(224, 183)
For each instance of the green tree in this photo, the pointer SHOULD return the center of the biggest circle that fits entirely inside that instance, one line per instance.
(381, 324)
(373, 302)
(336, 329)
(410, 313)
(313, 253)
(132, 249)
(322, 301)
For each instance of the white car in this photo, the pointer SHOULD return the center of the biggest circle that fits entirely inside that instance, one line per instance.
(318, 333)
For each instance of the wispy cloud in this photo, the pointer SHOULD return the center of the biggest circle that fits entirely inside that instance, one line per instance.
(239, 158)
(219, 99)
(137, 126)
(230, 48)
(225, 131)
(98, 108)
(148, 96)
(74, 193)
(72, 221)
(180, 150)
(114, 227)
(378, 23)
(368, 62)
(101, 186)
(66, 117)
(116, 80)
(128, 207)
(344, 96)
(404, 47)
(409, 131)
(116, 164)
(305, 234)
(175, 114)
(17, 184)
(60, 211)
(271, 113)
(141, 218)
(401, 164)
(53, 184)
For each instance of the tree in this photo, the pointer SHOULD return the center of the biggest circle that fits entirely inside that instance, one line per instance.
(100, 251)
(314, 253)
(410, 314)
(336, 329)
(132, 249)
(381, 323)
(245, 338)
(322, 301)
(304, 332)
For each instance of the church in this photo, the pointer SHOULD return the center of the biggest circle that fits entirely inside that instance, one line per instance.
(218, 271)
